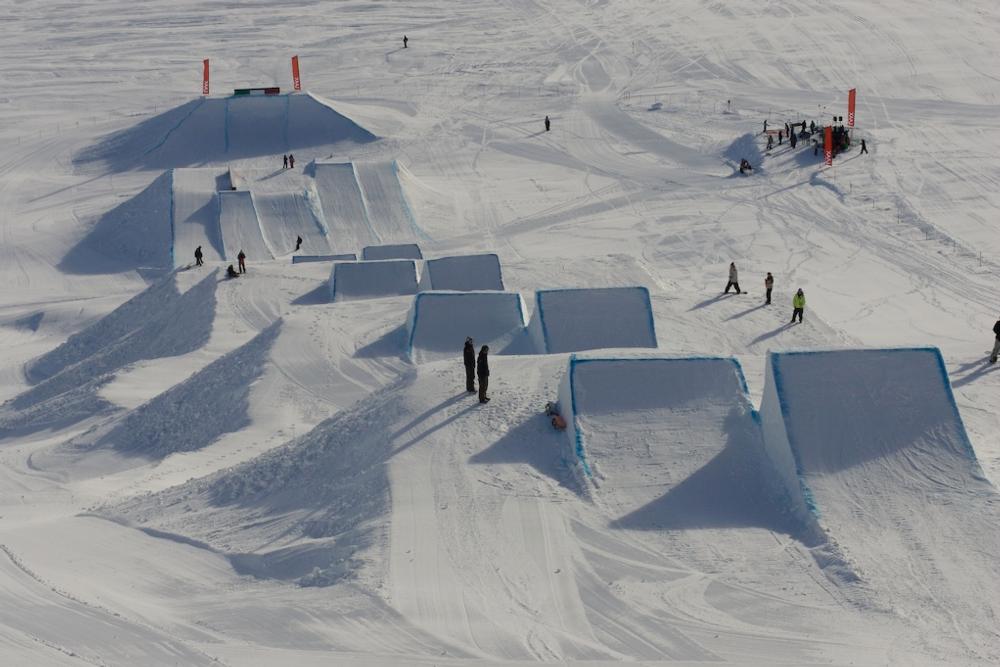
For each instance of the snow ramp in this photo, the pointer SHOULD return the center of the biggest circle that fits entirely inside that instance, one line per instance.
(343, 206)
(573, 320)
(439, 322)
(195, 213)
(241, 227)
(873, 450)
(388, 210)
(398, 251)
(306, 259)
(368, 280)
(288, 208)
(464, 273)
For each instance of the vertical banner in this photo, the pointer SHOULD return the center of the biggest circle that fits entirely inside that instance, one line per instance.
(851, 95)
(828, 145)
(296, 81)
(204, 77)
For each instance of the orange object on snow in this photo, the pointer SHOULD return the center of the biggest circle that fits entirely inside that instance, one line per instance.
(558, 422)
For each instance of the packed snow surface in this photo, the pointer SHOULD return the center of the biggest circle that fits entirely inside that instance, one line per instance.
(280, 470)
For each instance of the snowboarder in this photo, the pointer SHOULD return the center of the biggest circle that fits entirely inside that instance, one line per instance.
(469, 357)
(864, 147)
(405, 41)
(548, 123)
(298, 243)
(770, 142)
(483, 373)
(242, 259)
(798, 305)
(734, 280)
(291, 161)
(197, 256)
(284, 162)
(231, 272)
(996, 345)
(768, 286)
(745, 166)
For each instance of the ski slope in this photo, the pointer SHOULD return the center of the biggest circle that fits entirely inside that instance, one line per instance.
(240, 225)
(195, 213)
(388, 211)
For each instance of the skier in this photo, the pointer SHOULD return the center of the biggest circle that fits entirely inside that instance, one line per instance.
(770, 142)
(242, 259)
(197, 256)
(284, 159)
(996, 345)
(768, 286)
(291, 161)
(798, 305)
(469, 357)
(405, 41)
(483, 372)
(298, 243)
(231, 272)
(548, 123)
(864, 147)
(734, 280)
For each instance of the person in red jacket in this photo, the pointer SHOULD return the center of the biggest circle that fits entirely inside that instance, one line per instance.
(242, 258)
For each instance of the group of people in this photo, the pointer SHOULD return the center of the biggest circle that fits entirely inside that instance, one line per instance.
(798, 301)
(476, 368)
(288, 161)
(241, 259)
(841, 139)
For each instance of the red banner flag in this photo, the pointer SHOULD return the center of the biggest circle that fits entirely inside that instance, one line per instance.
(204, 77)
(828, 145)
(296, 81)
(851, 95)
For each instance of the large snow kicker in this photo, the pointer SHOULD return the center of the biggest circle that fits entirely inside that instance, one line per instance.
(397, 251)
(439, 322)
(288, 208)
(385, 200)
(306, 259)
(195, 213)
(366, 280)
(343, 206)
(463, 273)
(241, 226)
(573, 320)
(872, 449)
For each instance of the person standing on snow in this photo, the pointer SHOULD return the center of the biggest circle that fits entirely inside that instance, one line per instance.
(768, 286)
(291, 161)
(864, 147)
(405, 41)
(197, 256)
(284, 162)
(483, 373)
(798, 305)
(548, 123)
(734, 279)
(298, 243)
(996, 345)
(242, 259)
(770, 142)
(469, 357)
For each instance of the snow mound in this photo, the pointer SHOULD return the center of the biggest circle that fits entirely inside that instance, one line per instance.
(388, 209)
(873, 451)
(240, 226)
(305, 259)
(398, 251)
(208, 131)
(439, 322)
(573, 320)
(463, 273)
(366, 280)
(344, 209)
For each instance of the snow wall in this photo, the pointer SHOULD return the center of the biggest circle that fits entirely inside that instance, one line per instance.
(439, 322)
(399, 251)
(645, 424)
(368, 280)
(463, 273)
(305, 259)
(826, 412)
(573, 320)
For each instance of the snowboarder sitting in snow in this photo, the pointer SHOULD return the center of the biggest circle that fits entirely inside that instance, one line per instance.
(469, 357)
(231, 272)
(745, 166)
(996, 345)
(483, 372)
(798, 305)
(734, 279)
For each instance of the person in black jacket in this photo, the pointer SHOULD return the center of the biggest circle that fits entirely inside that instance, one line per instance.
(483, 371)
(197, 256)
(242, 260)
(996, 345)
(298, 243)
(469, 356)
(231, 272)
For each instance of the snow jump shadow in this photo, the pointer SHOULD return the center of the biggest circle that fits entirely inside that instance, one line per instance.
(708, 302)
(390, 344)
(744, 313)
(980, 370)
(314, 297)
(771, 334)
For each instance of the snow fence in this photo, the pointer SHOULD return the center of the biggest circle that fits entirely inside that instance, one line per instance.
(367, 280)
(463, 273)
(573, 320)
(305, 259)
(439, 322)
(400, 251)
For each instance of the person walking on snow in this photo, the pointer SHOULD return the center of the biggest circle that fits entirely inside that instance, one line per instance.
(197, 256)
(284, 162)
(548, 123)
(864, 147)
(483, 373)
(298, 243)
(291, 161)
(469, 358)
(405, 41)
(798, 305)
(768, 286)
(996, 345)
(734, 279)
(242, 259)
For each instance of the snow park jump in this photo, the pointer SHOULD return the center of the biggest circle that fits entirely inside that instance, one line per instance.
(398, 251)
(369, 280)
(573, 320)
(463, 273)
(438, 322)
